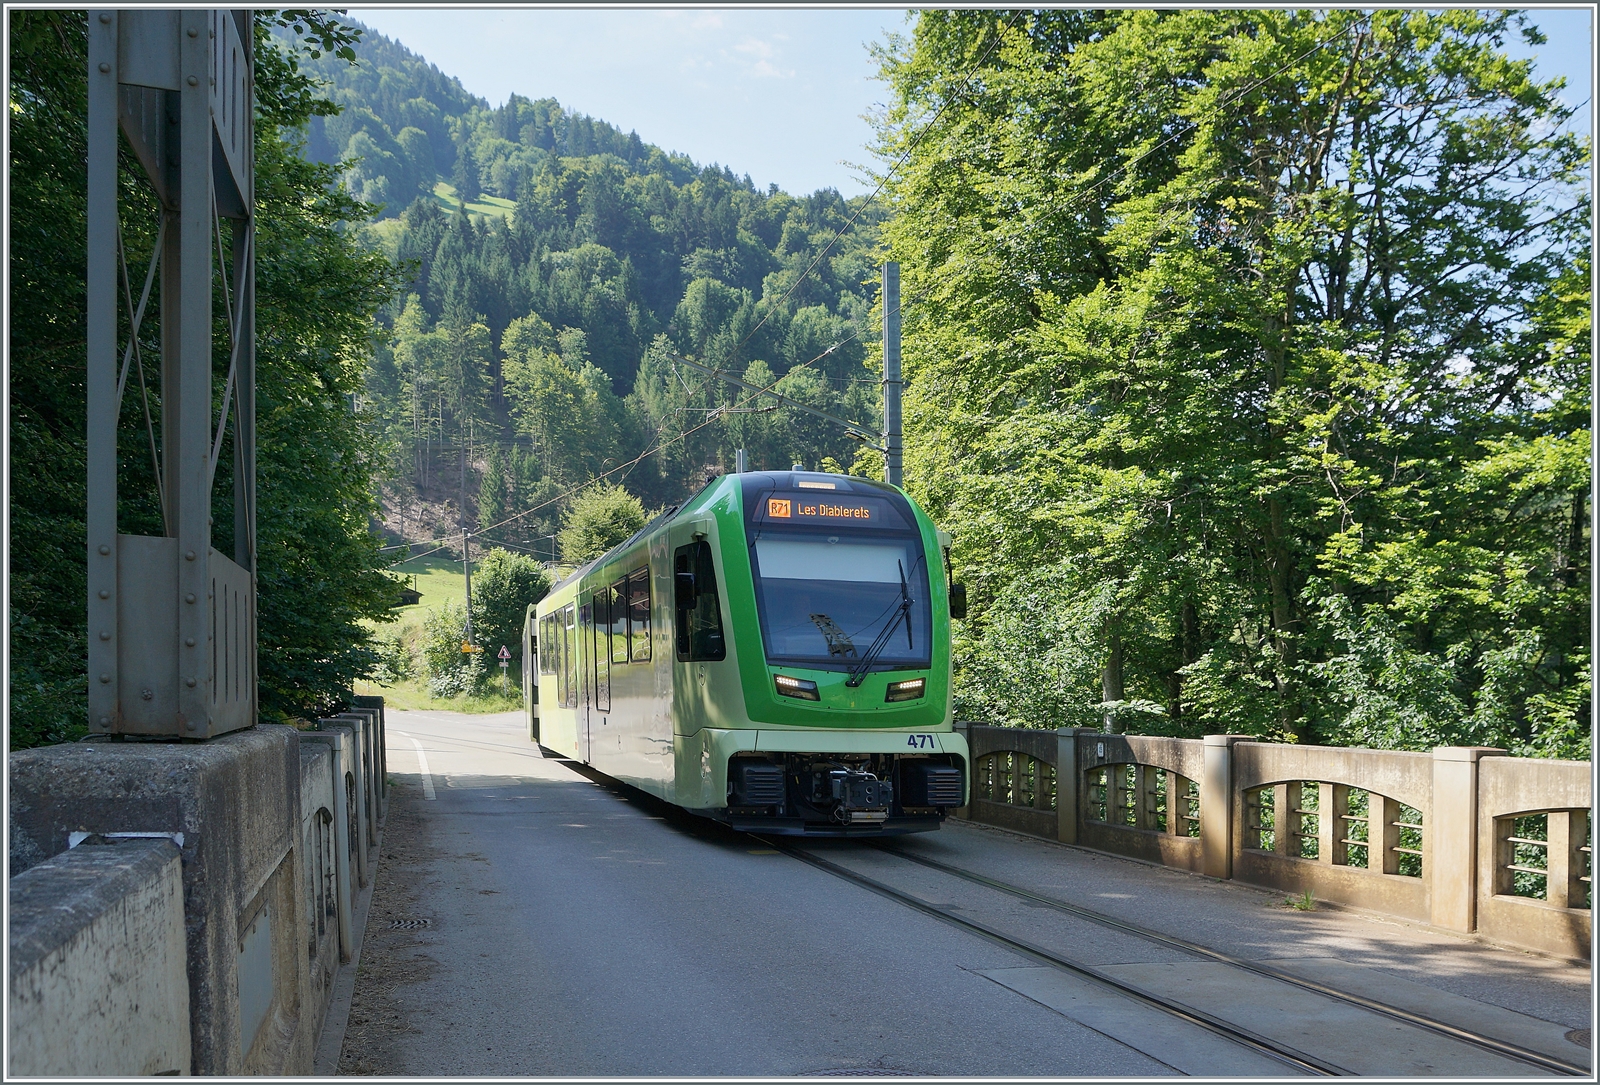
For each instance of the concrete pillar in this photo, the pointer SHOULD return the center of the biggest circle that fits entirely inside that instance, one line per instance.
(1565, 834)
(1144, 798)
(1333, 803)
(1067, 807)
(235, 801)
(1175, 804)
(1382, 834)
(1450, 837)
(1283, 821)
(341, 761)
(1216, 805)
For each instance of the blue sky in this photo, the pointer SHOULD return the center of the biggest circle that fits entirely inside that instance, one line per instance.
(779, 94)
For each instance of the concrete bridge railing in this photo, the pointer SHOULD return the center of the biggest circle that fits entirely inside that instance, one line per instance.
(185, 907)
(1463, 838)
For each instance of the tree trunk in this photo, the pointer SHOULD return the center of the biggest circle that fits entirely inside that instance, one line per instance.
(1285, 621)
(1111, 682)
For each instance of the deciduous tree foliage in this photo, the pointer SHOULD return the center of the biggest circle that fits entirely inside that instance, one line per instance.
(316, 296)
(504, 585)
(598, 519)
(1249, 363)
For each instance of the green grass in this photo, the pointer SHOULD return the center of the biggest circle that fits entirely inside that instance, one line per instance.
(444, 194)
(439, 579)
(385, 233)
(412, 695)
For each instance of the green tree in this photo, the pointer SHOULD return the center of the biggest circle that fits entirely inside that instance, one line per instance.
(464, 176)
(504, 585)
(598, 519)
(492, 486)
(1263, 329)
(450, 671)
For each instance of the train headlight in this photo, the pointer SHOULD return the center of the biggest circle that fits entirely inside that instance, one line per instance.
(796, 687)
(909, 690)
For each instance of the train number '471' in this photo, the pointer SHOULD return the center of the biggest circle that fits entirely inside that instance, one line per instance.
(920, 742)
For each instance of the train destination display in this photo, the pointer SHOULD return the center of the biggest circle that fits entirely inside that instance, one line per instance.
(802, 508)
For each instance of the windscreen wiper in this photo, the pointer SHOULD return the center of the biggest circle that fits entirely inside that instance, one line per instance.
(858, 673)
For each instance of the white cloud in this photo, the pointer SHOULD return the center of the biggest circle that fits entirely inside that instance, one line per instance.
(764, 54)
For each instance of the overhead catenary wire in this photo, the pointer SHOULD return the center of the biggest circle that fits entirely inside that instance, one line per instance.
(640, 458)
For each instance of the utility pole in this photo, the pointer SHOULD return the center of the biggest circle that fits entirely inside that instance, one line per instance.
(466, 544)
(740, 463)
(466, 566)
(891, 374)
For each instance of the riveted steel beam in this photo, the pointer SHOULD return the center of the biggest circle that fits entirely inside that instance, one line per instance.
(172, 622)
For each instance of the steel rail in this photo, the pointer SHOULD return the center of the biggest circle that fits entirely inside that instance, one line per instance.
(1238, 1034)
(1499, 1047)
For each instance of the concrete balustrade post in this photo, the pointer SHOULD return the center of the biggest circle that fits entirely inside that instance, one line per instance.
(1175, 804)
(1067, 805)
(1282, 822)
(1217, 806)
(1385, 834)
(1144, 779)
(1564, 837)
(1450, 837)
(1333, 803)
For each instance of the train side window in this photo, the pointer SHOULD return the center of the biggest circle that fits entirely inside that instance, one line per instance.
(569, 653)
(547, 640)
(639, 615)
(556, 653)
(619, 621)
(696, 607)
(602, 656)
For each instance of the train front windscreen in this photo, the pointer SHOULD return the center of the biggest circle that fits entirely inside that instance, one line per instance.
(840, 578)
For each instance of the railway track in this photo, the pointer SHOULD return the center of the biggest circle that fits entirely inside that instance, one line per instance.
(1267, 1046)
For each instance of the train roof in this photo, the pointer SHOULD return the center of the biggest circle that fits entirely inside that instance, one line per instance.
(660, 518)
(781, 479)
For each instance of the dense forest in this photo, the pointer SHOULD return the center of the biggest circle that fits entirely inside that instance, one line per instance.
(555, 267)
(1251, 370)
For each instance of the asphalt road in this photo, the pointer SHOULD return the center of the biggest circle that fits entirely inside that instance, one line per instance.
(532, 919)
(572, 931)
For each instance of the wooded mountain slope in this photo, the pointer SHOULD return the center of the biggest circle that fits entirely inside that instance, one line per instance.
(553, 275)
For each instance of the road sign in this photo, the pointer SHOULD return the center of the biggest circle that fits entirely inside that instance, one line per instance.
(505, 653)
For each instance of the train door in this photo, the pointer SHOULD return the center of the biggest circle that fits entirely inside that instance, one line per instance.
(584, 645)
(530, 673)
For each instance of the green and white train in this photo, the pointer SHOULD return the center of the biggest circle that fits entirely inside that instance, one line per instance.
(774, 654)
